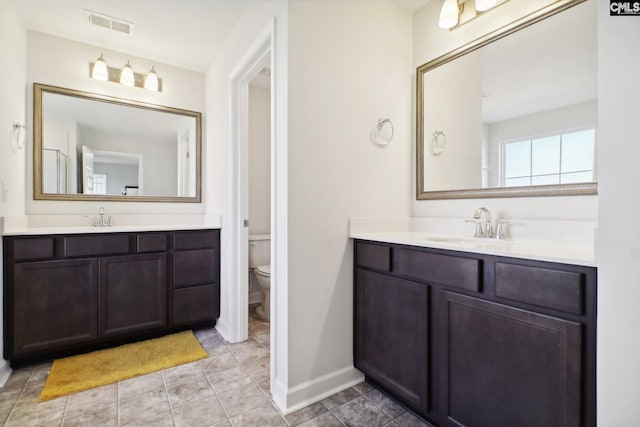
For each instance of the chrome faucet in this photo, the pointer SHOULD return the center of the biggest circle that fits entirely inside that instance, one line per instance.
(483, 228)
(101, 220)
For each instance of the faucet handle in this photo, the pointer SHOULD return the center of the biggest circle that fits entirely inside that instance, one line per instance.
(478, 232)
(501, 226)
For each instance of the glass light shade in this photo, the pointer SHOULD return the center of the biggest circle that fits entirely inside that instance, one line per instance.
(151, 81)
(449, 14)
(482, 5)
(126, 75)
(99, 70)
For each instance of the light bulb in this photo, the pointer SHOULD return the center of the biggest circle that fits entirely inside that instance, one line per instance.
(126, 75)
(449, 14)
(482, 5)
(151, 81)
(99, 70)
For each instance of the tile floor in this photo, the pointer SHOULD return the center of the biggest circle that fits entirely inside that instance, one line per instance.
(229, 388)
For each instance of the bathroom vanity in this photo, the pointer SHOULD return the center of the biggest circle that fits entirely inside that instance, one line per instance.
(68, 293)
(469, 338)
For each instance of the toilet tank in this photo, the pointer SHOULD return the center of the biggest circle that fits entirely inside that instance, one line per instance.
(259, 250)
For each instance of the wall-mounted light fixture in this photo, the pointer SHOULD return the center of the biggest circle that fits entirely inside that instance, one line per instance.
(126, 76)
(454, 13)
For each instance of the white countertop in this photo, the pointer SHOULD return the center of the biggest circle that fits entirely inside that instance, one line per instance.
(17, 226)
(563, 250)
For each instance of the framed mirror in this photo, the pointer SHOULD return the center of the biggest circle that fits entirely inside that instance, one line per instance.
(96, 147)
(513, 113)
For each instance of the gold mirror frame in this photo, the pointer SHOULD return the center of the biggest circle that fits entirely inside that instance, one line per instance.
(40, 89)
(588, 188)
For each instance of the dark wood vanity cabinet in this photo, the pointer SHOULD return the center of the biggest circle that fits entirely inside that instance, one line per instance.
(391, 320)
(196, 292)
(65, 294)
(498, 342)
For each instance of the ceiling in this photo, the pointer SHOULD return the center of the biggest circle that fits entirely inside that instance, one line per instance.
(183, 33)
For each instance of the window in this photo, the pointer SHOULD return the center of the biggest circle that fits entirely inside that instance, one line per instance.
(99, 183)
(557, 159)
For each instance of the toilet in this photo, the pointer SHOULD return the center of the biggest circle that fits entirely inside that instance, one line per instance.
(260, 268)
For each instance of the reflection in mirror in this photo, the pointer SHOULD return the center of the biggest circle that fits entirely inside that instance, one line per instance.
(513, 114)
(94, 147)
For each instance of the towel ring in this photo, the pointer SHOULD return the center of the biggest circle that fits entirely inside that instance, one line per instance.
(438, 142)
(382, 132)
(18, 130)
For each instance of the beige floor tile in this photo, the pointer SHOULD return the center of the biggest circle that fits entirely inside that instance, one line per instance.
(265, 386)
(214, 365)
(185, 393)
(230, 378)
(305, 414)
(84, 401)
(258, 369)
(30, 395)
(201, 413)
(387, 405)
(408, 420)
(8, 399)
(248, 351)
(40, 374)
(361, 412)
(363, 388)
(161, 419)
(182, 374)
(140, 385)
(242, 399)
(340, 398)
(45, 413)
(18, 378)
(325, 420)
(142, 406)
(103, 416)
(263, 416)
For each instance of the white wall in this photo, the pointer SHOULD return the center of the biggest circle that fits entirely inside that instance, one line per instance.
(431, 42)
(60, 62)
(618, 243)
(259, 160)
(13, 63)
(349, 65)
(256, 21)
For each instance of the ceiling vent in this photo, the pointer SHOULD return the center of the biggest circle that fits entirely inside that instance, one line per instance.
(109, 22)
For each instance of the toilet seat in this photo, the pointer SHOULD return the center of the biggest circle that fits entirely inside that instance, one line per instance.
(264, 270)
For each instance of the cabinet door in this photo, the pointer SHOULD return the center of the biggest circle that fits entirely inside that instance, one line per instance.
(391, 336)
(54, 304)
(501, 366)
(133, 294)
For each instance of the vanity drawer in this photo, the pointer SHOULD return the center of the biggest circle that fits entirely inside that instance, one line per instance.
(446, 270)
(94, 245)
(198, 239)
(544, 287)
(377, 257)
(194, 268)
(151, 242)
(36, 248)
(194, 305)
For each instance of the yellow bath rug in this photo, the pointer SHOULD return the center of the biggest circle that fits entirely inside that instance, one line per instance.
(90, 370)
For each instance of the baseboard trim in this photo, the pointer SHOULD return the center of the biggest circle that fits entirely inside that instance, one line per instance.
(5, 372)
(222, 329)
(314, 390)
